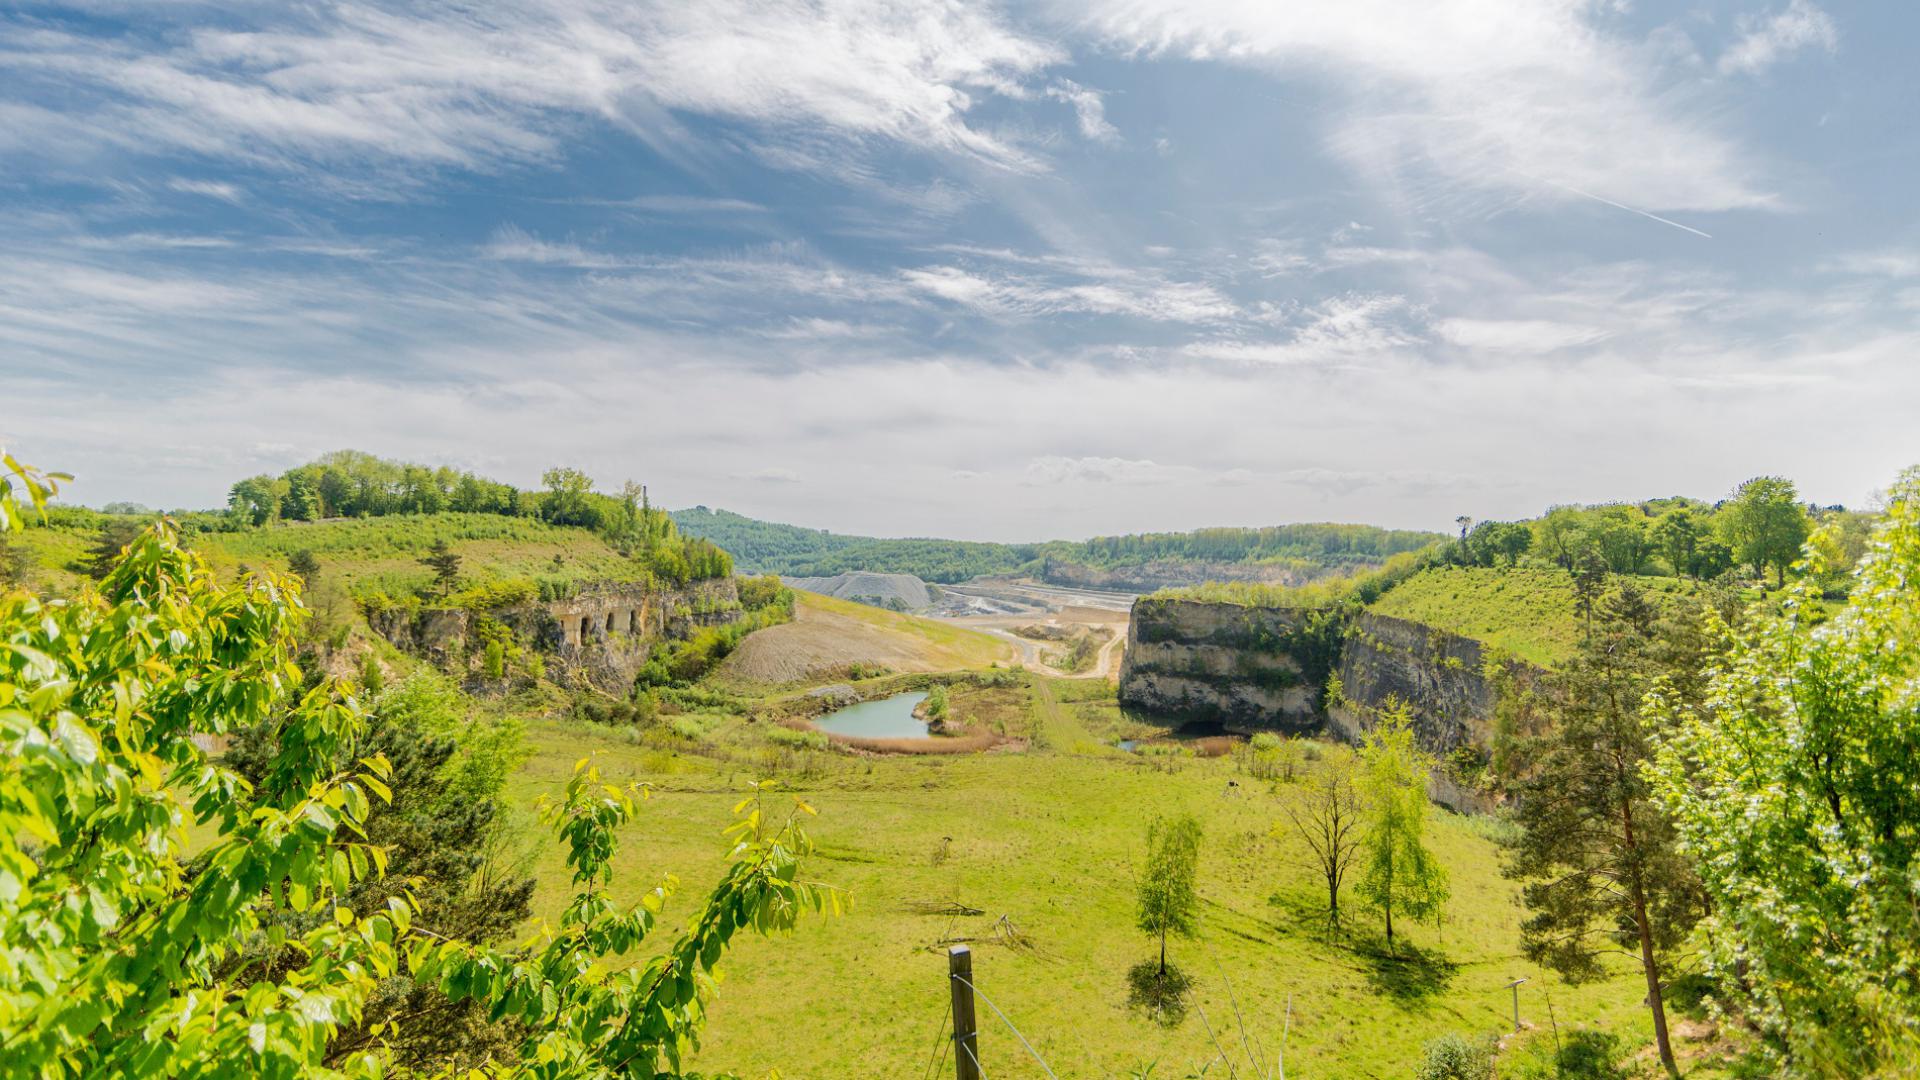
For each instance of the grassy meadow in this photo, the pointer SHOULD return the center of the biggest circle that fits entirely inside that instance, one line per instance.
(1043, 844)
(1526, 611)
(378, 553)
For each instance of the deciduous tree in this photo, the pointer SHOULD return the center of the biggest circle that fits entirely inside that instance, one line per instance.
(1399, 873)
(1329, 816)
(120, 959)
(1167, 901)
(1765, 525)
(1795, 787)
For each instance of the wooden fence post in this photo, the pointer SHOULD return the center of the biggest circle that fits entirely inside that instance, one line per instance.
(966, 1046)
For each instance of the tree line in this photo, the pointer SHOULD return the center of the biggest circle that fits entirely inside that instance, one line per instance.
(352, 484)
(794, 551)
(1761, 527)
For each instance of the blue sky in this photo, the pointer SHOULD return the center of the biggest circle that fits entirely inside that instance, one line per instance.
(996, 271)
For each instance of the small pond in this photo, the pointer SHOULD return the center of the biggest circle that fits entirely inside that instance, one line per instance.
(886, 718)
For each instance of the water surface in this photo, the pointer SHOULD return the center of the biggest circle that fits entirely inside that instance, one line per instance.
(887, 718)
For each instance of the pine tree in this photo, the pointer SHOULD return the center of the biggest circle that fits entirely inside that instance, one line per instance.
(305, 567)
(1595, 851)
(445, 565)
(112, 538)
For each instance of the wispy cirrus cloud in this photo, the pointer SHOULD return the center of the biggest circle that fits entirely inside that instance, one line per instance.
(1765, 41)
(1123, 293)
(1535, 98)
(439, 83)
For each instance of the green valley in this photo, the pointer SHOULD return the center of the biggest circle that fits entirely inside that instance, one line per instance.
(525, 645)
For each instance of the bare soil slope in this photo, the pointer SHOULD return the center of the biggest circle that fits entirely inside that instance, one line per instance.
(826, 635)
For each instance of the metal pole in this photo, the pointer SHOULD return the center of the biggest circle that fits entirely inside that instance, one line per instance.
(1515, 987)
(966, 1046)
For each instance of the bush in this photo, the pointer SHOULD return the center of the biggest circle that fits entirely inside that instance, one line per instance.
(488, 595)
(1454, 1057)
(691, 728)
(1591, 1055)
(786, 736)
(372, 677)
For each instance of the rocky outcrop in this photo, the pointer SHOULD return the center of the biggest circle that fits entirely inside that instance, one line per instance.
(1437, 676)
(1242, 666)
(600, 635)
(1257, 668)
(1162, 574)
(899, 592)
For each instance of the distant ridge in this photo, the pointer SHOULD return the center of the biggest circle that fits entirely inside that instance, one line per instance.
(1292, 552)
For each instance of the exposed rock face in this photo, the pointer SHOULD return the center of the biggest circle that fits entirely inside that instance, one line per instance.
(1163, 573)
(1222, 662)
(601, 635)
(899, 591)
(1264, 668)
(1438, 676)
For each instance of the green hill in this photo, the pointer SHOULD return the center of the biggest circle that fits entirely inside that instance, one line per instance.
(770, 547)
(1527, 612)
(362, 555)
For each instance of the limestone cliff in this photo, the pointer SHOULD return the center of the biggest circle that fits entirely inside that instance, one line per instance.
(1438, 676)
(1266, 668)
(599, 635)
(1245, 667)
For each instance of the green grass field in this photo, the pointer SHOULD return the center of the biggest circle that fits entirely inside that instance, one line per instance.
(377, 553)
(1048, 840)
(1527, 612)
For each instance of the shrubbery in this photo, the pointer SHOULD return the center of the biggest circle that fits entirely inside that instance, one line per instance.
(1453, 1057)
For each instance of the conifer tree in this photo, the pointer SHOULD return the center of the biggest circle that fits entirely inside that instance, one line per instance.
(1595, 850)
(445, 565)
(306, 567)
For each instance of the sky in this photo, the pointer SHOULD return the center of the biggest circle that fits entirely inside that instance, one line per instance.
(995, 271)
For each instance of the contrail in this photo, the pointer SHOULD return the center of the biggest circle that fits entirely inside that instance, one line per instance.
(1541, 180)
(1615, 205)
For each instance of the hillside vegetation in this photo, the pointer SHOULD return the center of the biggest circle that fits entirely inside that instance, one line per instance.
(1023, 824)
(1527, 612)
(829, 637)
(367, 523)
(937, 849)
(770, 547)
(1512, 584)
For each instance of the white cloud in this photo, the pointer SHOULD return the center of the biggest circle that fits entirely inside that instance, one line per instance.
(1533, 336)
(1088, 107)
(1090, 470)
(1888, 263)
(1348, 329)
(212, 189)
(1115, 292)
(1531, 97)
(447, 83)
(770, 476)
(690, 204)
(514, 244)
(1765, 42)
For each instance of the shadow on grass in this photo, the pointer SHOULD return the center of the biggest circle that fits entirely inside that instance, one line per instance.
(1408, 974)
(1162, 997)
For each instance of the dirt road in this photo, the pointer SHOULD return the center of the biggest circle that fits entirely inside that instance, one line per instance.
(1034, 655)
